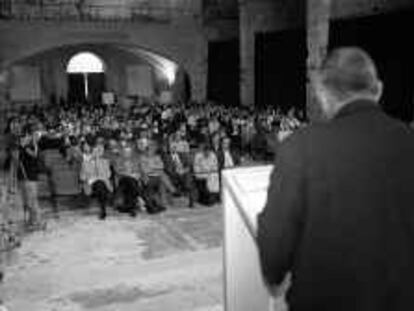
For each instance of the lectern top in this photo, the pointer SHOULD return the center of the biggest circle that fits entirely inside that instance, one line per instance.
(248, 187)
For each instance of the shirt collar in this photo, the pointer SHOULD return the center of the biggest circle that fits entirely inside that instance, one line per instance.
(357, 106)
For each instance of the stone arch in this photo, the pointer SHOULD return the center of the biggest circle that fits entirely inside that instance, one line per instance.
(167, 69)
(184, 43)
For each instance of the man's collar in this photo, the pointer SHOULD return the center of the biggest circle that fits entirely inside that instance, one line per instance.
(357, 106)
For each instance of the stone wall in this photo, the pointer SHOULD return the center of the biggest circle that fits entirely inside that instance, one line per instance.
(271, 16)
(183, 41)
(52, 66)
(161, 10)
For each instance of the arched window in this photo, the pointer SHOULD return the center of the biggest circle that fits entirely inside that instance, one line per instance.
(86, 73)
(85, 62)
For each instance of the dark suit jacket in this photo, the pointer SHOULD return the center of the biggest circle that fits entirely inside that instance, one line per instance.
(340, 214)
(221, 159)
(169, 165)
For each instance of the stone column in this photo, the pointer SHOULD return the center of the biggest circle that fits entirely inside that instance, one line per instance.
(318, 15)
(4, 96)
(197, 68)
(195, 61)
(247, 56)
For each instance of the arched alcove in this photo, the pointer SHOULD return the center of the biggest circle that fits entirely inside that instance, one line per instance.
(129, 72)
(86, 77)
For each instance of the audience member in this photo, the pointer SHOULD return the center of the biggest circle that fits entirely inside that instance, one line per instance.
(95, 174)
(206, 172)
(26, 159)
(129, 179)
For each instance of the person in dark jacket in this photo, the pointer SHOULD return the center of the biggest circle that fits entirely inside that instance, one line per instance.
(339, 214)
(177, 165)
(27, 176)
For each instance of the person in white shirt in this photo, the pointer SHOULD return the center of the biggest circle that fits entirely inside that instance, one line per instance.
(213, 126)
(228, 159)
(206, 172)
(96, 176)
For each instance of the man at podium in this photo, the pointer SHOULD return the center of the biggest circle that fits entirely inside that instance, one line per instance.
(339, 214)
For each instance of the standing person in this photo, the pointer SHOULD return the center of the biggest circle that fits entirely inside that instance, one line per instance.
(11, 135)
(339, 212)
(27, 176)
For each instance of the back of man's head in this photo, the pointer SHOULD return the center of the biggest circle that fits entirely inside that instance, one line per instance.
(349, 73)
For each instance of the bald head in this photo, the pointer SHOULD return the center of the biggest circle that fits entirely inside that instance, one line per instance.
(347, 74)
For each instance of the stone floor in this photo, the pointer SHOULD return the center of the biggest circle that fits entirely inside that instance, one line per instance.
(169, 262)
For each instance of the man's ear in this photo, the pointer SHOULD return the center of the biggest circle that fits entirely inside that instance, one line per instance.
(380, 87)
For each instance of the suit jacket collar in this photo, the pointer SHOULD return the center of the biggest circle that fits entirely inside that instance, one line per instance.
(357, 106)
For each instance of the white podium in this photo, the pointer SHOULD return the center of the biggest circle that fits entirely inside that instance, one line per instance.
(244, 196)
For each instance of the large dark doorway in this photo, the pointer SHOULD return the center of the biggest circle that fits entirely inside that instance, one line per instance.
(281, 69)
(223, 72)
(96, 86)
(76, 88)
(5, 8)
(384, 37)
(86, 88)
(86, 79)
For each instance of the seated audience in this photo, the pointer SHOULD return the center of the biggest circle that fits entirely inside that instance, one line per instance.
(129, 179)
(206, 172)
(73, 152)
(178, 168)
(156, 183)
(183, 128)
(226, 157)
(95, 174)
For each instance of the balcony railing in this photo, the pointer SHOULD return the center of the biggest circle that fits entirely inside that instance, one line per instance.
(220, 10)
(75, 10)
(213, 14)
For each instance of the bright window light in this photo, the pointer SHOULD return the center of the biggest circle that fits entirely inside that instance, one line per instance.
(85, 62)
(165, 66)
(170, 71)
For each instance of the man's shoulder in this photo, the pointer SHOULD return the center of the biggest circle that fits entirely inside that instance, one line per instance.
(310, 133)
(305, 141)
